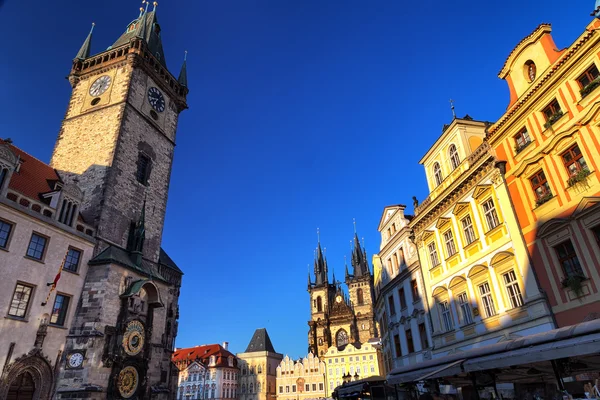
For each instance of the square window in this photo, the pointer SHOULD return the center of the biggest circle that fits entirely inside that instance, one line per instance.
(491, 217)
(567, 257)
(574, 161)
(522, 139)
(5, 229)
(20, 300)
(72, 260)
(59, 311)
(37, 246)
(552, 111)
(588, 76)
(468, 229)
(540, 187)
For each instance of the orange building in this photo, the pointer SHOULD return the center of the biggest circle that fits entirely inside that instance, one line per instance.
(550, 139)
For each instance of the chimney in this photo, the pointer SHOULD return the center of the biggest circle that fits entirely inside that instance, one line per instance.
(225, 345)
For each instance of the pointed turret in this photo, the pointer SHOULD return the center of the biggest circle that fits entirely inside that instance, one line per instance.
(183, 73)
(359, 259)
(309, 282)
(320, 267)
(84, 51)
(140, 30)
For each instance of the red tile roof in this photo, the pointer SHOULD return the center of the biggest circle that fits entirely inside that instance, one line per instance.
(203, 354)
(34, 177)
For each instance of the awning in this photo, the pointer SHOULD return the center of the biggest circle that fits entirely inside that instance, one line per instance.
(422, 374)
(572, 341)
(354, 389)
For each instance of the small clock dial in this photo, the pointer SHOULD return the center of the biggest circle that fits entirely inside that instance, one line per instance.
(100, 85)
(338, 299)
(75, 360)
(156, 99)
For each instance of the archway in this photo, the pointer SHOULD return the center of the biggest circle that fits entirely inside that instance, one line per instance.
(22, 387)
(28, 377)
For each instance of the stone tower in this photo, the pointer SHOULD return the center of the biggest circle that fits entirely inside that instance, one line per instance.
(322, 294)
(360, 287)
(258, 365)
(117, 142)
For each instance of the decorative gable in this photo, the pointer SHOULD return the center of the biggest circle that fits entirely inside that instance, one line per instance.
(460, 207)
(481, 190)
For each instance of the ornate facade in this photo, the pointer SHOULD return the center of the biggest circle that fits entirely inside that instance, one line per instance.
(481, 288)
(401, 307)
(219, 376)
(258, 365)
(351, 363)
(338, 319)
(45, 246)
(301, 379)
(548, 138)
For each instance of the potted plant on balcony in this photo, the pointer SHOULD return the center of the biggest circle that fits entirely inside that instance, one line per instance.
(579, 176)
(589, 88)
(573, 282)
(543, 199)
(553, 118)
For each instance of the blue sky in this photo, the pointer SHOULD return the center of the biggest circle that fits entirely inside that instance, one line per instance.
(303, 115)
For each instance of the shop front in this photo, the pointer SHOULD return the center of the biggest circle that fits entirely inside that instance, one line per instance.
(558, 364)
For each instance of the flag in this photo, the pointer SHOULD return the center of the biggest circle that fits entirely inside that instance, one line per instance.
(56, 279)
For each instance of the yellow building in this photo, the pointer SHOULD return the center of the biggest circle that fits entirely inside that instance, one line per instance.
(351, 363)
(479, 283)
(301, 379)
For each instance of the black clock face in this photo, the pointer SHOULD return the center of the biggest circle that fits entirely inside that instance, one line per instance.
(156, 99)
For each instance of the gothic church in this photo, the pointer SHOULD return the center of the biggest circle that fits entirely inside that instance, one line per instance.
(338, 319)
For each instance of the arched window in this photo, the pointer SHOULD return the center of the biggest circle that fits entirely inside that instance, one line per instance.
(251, 388)
(319, 304)
(454, 159)
(258, 387)
(260, 369)
(437, 173)
(243, 388)
(359, 297)
(341, 338)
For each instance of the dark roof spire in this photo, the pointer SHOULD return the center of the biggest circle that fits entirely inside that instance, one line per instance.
(359, 258)
(84, 51)
(260, 342)
(309, 282)
(140, 30)
(320, 267)
(183, 73)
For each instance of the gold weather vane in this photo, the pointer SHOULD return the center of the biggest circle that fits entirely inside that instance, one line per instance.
(452, 108)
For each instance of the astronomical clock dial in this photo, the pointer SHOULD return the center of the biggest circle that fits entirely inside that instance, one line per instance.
(100, 85)
(338, 299)
(128, 382)
(133, 338)
(156, 99)
(74, 360)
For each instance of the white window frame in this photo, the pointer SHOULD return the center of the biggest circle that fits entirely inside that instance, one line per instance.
(487, 300)
(513, 290)
(465, 308)
(491, 215)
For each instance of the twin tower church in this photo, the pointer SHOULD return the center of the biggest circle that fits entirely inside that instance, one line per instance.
(92, 297)
(338, 319)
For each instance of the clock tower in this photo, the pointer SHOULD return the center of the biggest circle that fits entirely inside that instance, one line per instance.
(117, 143)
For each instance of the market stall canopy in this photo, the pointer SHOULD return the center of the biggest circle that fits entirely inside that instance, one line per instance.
(573, 341)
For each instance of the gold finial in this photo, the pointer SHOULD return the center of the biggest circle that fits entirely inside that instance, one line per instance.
(155, 4)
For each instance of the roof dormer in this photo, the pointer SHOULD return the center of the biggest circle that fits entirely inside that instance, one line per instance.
(528, 61)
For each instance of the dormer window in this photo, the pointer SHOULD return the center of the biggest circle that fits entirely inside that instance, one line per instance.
(437, 174)
(68, 212)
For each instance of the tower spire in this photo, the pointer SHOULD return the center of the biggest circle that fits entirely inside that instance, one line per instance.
(183, 73)
(359, 258)
(84, 51)
(141, 27)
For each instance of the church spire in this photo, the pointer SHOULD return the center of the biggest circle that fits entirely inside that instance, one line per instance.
(140, 30)
(359, 258)
(320, 263)
(84, 51)
(183, 73)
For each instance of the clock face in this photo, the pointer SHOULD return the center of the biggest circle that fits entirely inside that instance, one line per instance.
(128, 382)
(75, 360)
(156, 99)
(100, 85)
(338, 299)
(133, 338)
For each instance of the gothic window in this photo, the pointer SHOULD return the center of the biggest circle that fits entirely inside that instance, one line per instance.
(68, 212)
(144, 166)
(341, 338)
(437, 173)
(251, 388)
(454, 159)
(319, 304)
(359, 297)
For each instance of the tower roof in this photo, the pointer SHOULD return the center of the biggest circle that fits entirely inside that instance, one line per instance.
(260, 342)
(183, 73)
(84, 51)
(359, 259)
(150, 32)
